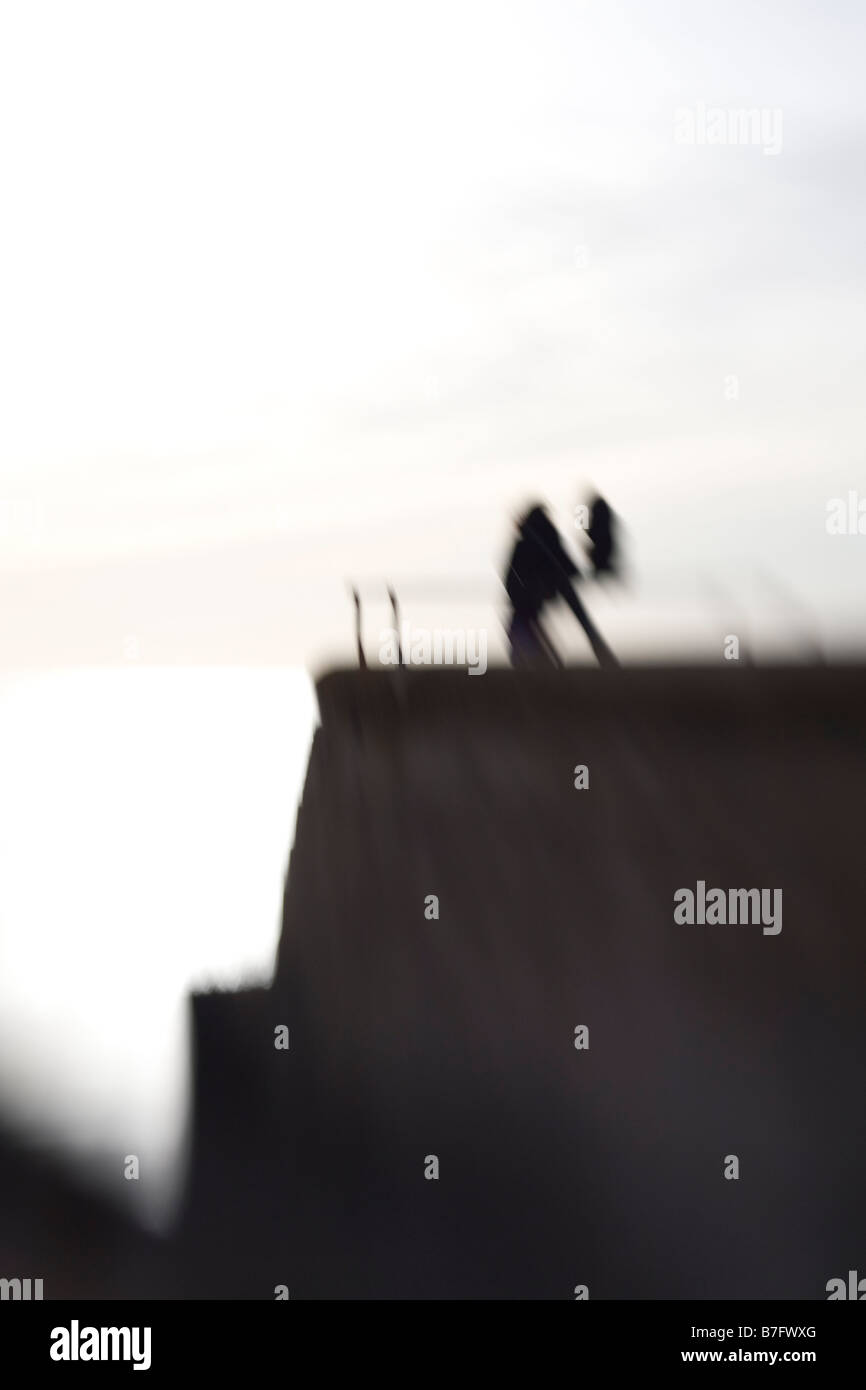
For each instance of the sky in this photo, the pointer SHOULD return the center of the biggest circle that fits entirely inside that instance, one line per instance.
(296, 294)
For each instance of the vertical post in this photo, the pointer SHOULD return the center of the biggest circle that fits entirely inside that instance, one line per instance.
(395, 609)
(362, 660)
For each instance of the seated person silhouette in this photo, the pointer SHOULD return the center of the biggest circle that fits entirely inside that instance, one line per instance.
(539, 572)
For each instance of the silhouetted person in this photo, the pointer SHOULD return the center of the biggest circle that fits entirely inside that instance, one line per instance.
(539, 572)
(602, 536)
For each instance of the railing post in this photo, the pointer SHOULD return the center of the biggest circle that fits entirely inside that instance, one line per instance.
(395, 609)
(362, 660)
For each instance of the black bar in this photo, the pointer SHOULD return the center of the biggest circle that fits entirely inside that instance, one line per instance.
(292, 1336)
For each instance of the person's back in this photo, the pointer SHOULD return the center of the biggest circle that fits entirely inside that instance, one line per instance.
(539, 571)
(539, 565)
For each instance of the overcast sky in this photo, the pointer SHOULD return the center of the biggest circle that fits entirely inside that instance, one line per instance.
(291, 293)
